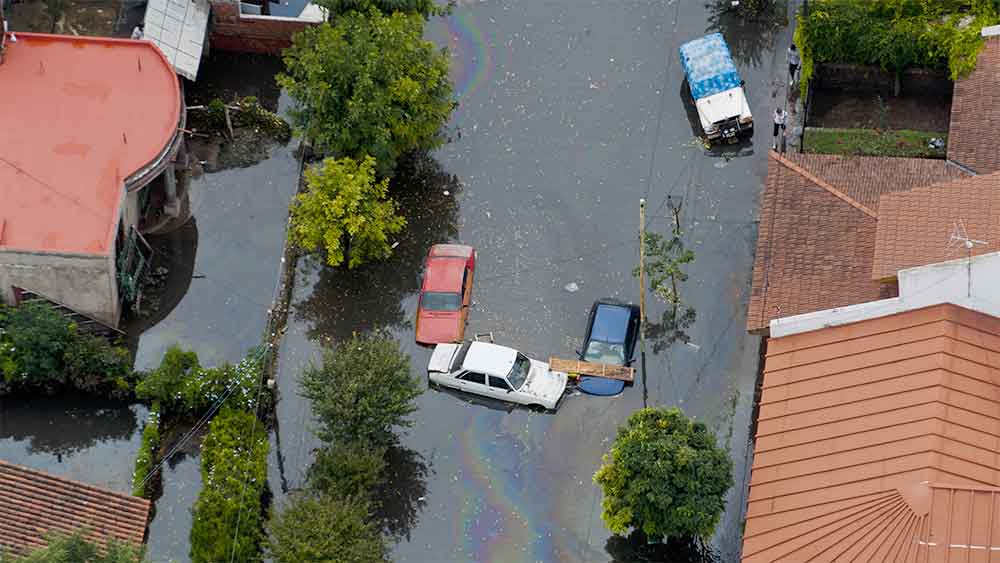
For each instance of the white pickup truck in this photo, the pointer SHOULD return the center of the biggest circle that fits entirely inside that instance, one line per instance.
(717, 89)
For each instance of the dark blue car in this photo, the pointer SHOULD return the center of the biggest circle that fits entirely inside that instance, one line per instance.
(611, 334)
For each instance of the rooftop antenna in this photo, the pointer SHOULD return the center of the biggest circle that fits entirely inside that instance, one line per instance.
(960, 239)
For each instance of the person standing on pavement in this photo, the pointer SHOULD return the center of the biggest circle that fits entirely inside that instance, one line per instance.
(779, 125)
(793, 63)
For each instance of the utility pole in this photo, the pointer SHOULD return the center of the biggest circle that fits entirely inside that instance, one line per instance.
(642, 274)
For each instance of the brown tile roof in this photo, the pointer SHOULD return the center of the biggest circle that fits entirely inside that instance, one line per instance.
(974, 138)
(816, 239)
(915, 227)
(33, 504)
(879, 441)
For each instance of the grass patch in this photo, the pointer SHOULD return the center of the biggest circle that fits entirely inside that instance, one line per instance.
(873, 142)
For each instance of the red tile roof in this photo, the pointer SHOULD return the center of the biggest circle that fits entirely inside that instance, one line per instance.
(915, 227)
(879, 441)
(33, 504)
(973, 138)
(816, 240)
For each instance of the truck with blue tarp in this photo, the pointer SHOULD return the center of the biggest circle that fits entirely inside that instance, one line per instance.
(716, 87)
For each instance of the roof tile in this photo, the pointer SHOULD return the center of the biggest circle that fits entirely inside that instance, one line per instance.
(973, 138)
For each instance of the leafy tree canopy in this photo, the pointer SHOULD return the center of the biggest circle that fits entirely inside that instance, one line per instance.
(664, 476)
(325, 529)
(345, 212)
(368, 85)
(361, 391)
(351, 469)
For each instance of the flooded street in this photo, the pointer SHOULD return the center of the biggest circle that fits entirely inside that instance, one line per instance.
(569, 113)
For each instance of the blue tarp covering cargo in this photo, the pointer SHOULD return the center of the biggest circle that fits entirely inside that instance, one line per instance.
(709, 66)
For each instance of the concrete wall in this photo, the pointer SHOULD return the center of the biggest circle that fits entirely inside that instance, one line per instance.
(84, 283)
(232, 31)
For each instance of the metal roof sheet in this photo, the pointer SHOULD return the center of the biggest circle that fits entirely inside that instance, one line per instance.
(871, 437)
(178, 28)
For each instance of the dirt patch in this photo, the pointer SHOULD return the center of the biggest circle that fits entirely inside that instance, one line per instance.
(870, 111)
(68, 17)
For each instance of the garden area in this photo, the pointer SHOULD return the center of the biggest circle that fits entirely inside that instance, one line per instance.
(879, 75)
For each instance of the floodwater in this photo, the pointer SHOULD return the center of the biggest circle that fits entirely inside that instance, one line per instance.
(570, 112)
(78, 437)
(227, 260)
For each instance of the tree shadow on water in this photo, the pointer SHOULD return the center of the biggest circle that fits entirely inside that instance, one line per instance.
(671, 328)
(65, 424)
(749, 37)
(400, 497)
(344, 301)
(635, 548)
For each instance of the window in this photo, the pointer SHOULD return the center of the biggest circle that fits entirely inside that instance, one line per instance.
(456, 364)
(499, 383)
(465, 282)
(519, 373)
(473, 377)
(441, 301)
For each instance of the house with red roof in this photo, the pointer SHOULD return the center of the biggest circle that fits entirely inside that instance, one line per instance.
(91, 137)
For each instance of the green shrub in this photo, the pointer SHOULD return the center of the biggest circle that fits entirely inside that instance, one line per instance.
(147, 452)
(41, 348)
(362, 390)
(325, 528)
(895, 34)
(77, 548)
(183, 388)
(664, 476)
(93, 365)
(37, 337)
(234, 480)
(347, 470)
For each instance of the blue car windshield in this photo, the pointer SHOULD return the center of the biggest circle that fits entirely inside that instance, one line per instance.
(440, 301)
(604, 353)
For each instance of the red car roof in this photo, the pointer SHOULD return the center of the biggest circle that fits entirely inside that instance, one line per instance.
(444, 274)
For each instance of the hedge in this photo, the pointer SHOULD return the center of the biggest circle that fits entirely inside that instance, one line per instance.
(894, 34)
(234, 480)
(184, 388)
(147, 452)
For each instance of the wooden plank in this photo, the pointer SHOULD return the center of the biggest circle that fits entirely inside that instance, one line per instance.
(577, 367)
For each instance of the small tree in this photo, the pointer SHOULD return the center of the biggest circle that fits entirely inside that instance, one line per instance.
(425, 8)
(362, 389)
(325, 529)
(346, 212)
(369, 85)
(664, 477)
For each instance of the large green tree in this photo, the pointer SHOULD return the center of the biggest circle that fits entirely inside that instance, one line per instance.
(664, 477)
(345, 212)
(361, 391)
(322, 529)
(368, 85)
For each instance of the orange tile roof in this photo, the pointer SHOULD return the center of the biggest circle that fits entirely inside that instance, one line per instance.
(33, 504)
(79, 116)
(879, 441)
(973, 138)
(915, 227)
(816, 239)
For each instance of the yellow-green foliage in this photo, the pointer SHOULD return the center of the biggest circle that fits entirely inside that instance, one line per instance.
(345, 212)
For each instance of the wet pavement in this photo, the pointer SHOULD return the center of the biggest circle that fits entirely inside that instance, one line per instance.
(570, 113)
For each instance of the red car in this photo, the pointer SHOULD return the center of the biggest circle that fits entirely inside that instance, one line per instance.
(445, 294)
